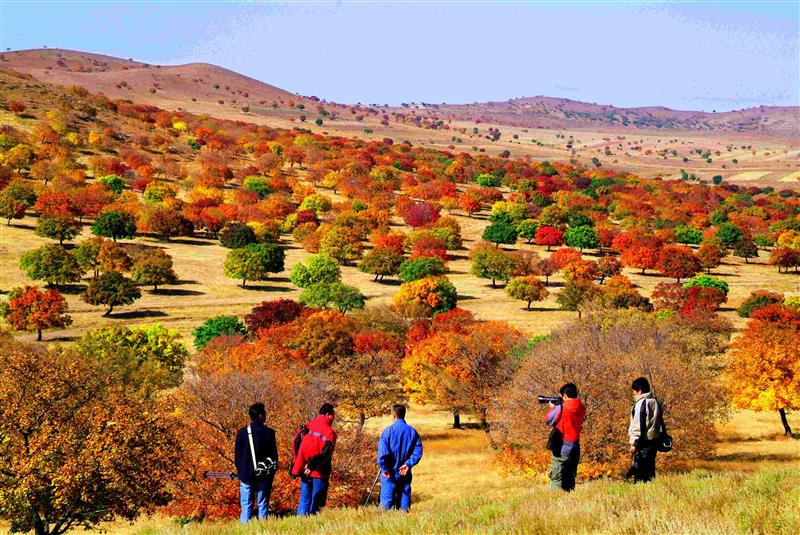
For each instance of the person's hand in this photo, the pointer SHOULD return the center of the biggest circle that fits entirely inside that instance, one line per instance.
(307, 471)
(551, 404)
(386, 474)
(403, 470)
(633, 449)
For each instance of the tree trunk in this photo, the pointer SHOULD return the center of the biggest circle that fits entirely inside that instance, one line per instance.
(39, 335)
(244, 283)
(493, 284)
(529, 305)
(456, 420)
(155, 287)
(785, 422)
(108, 312)
(579, 313)
(361, 419)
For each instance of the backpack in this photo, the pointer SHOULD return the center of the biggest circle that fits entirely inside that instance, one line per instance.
(663, 441)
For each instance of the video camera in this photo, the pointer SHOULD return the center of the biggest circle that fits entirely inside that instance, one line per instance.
(555, 400)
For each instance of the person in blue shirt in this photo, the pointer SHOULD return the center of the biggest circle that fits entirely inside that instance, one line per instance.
(399, 449)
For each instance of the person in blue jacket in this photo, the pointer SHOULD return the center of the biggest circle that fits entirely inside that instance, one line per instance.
(399, 449)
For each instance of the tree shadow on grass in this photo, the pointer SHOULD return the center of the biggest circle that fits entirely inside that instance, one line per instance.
(60, 339)
(388, 282)
(71, 289)
(135, 314)
(266, 288)
(466, 297)
(190, 241)
(175, 292)
(757, 457)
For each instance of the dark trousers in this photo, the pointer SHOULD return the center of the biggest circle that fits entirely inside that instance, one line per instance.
(313, 495)
(396, 492)
(563, 471)
(644, 463)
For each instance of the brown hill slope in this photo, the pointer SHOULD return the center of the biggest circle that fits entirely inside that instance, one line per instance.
(549, 112)
(145, 83)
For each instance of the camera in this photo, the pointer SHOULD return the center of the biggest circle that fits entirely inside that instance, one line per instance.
(555, 400)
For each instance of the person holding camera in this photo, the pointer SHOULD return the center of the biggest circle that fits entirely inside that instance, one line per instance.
(256, 459)
(399, 449)
(313, 451)
(566, 417)
(647, 417)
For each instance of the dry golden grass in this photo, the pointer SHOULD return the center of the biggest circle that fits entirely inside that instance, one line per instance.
(459, 488)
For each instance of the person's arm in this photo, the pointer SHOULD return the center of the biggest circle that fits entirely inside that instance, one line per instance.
(634, 430)
(552, 417)
(416, 455)
(384, 452)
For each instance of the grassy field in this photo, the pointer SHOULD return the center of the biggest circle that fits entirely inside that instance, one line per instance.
(203, 291)
(752, 486)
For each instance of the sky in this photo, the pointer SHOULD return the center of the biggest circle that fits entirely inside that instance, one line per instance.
(698, 56)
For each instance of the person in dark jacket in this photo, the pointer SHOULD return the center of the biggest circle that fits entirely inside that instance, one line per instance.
(312, 460)
(399, 449)
(255, 489)
(567, 418)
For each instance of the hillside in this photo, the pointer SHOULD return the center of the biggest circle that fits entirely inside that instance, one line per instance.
(549, 112)
(143, 82)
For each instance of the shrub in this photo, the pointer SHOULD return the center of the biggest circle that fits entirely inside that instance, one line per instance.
(318, 268)
(758, 299)
(113, 182)
(438, 293)
(236, 234)
(270, 313)
(217, 326)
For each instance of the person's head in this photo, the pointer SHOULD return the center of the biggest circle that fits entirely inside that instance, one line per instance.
(640, 386)
(569, 391)
(399, 411)
(327, 410)
(257, 412)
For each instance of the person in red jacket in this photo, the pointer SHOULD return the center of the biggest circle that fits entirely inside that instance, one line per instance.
(567, 420)
(313, 450)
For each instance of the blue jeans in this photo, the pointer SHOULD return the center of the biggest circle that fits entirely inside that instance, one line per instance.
(313, 495)
(254, 492)
(396, 492)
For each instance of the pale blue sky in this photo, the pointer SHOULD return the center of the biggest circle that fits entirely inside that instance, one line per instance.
(705, 56)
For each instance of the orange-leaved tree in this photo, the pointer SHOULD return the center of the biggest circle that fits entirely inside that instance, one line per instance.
(77, 448)
(764, 374)
(29, 309)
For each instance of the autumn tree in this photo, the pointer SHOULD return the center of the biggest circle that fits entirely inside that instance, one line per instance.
(678, 261)
(153, 268)
(438, 293)
(582, 237)
(710, 255)
(319, 268)
(254, 262)
(746, 249)
(642, 257)
(29, 309)
(608, 266)
(87, 254)
(148, 358)
(112, 257)
(58, 227)
(115, 224)
(52, 264)
(500, 232)
(15, 198)
(764, 374)
(332, 295)
(381, 263)
(527, 289)
(574, 294)
(111, 289)
(549, 236)
(236, 234)
(270, 313)
(421, 267)
(527, 229)
(217, 326)
(784, 258)
(758, 299)
(491, 263)
(77, 449)
(342, 244)
(167, 223)
(600, 354)
(581, 271)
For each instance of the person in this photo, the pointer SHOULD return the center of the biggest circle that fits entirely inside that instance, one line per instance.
(566, 419)
(255, 488)
(399, 449)
(646, 417)
(313, 450)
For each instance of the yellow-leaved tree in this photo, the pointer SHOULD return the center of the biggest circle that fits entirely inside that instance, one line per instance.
(764, 374)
